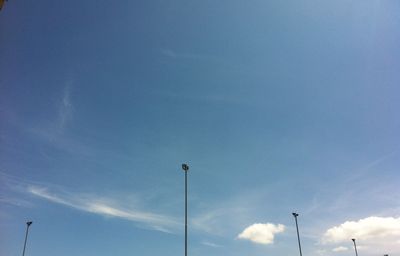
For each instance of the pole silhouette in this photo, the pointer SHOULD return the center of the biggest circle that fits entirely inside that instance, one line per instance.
(185, 168)
(26, 236)
(297, 228)
(355, 246)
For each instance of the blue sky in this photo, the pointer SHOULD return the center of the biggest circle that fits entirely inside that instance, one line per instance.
(277, 106)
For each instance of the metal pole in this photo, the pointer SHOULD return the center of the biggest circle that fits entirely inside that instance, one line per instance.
(185, 167)
(26, 236)
(355, 246)
(297, 228)
(185, 213)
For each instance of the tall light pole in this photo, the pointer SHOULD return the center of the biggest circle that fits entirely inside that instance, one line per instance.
(185, 168)
(355, 246)
(297, 228)
(26, 235)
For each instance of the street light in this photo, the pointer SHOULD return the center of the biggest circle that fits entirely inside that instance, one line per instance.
(297, 228)
(355, 246)
(185, 168)
(26, 235)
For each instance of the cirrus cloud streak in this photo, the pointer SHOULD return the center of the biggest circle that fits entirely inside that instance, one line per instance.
(101, 207)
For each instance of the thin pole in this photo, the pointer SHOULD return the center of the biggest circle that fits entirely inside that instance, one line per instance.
(26, 236)
(297, 228)
(185, 167)
(186, 227)
(355, 246)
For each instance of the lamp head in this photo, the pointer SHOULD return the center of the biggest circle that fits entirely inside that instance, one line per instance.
(29, 223)
(295, 214)
(185, 167)
(353, 239)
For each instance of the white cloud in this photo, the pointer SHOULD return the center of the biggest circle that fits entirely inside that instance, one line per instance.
(211, 244)
(368, 229)
(340, 249)
(98, 206)
(65, 108)
(261, 233)
(321, 252)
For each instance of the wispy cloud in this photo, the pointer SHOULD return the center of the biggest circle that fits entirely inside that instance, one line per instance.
(320, 252)
(179, 55)
(210, 244)
(262, 233)
(340, 249)
(370, 167)
(15, 201)
(210, 221)
(65, 107)
(53, 130)
(107, 208)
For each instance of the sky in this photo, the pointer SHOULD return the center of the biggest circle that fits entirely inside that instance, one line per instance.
(277, 107)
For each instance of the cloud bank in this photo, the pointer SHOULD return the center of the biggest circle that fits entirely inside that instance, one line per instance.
(368, 229)
(262, 233)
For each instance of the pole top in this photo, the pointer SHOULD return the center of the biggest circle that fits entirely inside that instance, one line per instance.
(295, 214)
(185, 167)
(29, 223)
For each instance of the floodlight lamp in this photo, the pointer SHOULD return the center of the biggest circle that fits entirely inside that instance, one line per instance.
(29, 223)
(295, 214)
(185, 167)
